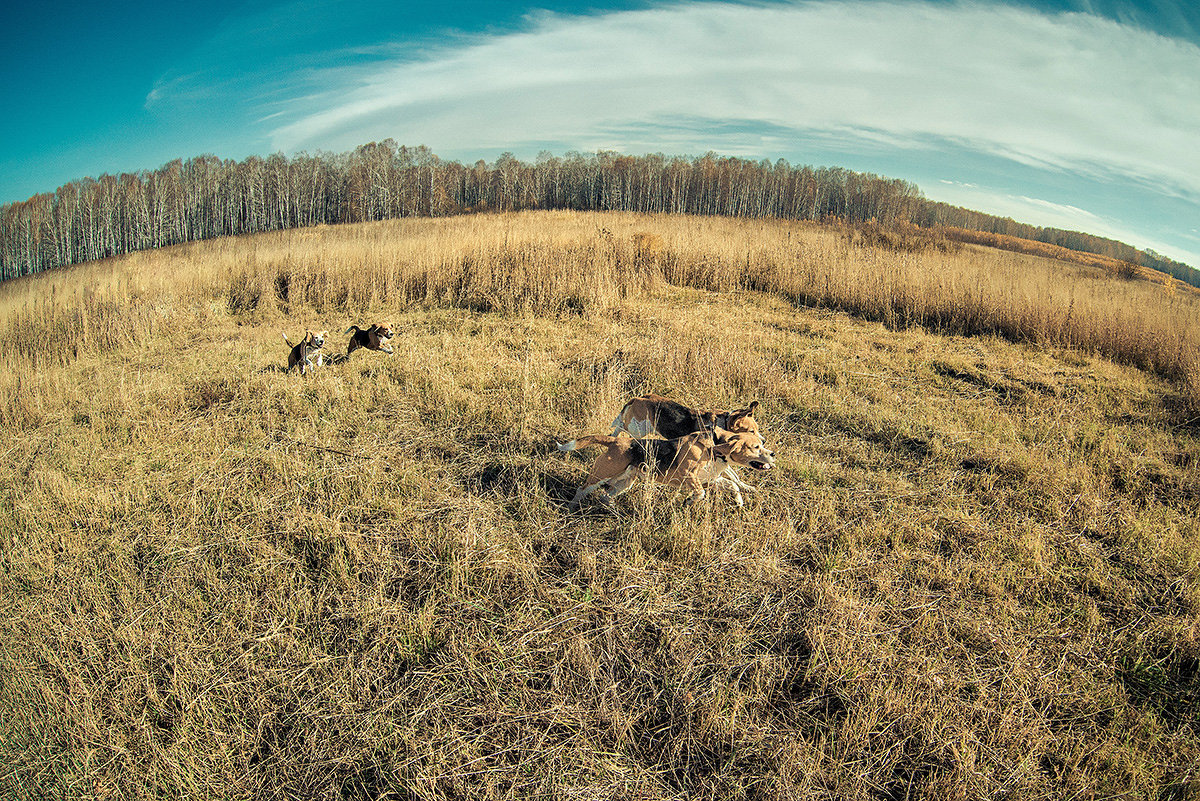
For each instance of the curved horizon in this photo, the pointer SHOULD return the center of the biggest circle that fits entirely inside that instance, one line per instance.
(1064, 113)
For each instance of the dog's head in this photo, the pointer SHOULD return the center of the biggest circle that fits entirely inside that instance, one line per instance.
(316, 339)
(742, 420)
(744, 448)
(382, 330)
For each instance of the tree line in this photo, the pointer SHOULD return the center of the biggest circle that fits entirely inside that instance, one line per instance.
(935, 213)
(206, 197)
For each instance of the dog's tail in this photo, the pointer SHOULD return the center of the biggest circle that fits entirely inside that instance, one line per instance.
(288, 341)
(583, 442)
(353, 328)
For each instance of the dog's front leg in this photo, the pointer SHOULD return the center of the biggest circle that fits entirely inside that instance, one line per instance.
(698, 491)
(733, 486)
(732, 475)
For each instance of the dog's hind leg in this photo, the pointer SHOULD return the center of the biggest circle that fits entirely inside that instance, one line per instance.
(582, 493)
(617, 485)
(612, 488)
(621, 483)
(698, 491)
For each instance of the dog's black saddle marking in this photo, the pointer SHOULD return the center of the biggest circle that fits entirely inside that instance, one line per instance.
(658, 455)
(676, 420)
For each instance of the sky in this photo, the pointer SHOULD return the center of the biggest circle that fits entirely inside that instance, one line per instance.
(1078, 114)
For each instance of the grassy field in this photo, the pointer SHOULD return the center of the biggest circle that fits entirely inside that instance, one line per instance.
(974, 574)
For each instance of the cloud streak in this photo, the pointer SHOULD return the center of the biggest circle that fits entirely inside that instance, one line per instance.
(1068, 92)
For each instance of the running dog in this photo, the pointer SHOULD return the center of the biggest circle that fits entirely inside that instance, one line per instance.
(654, 415)
(373, 338)
(304, 352)
(694, 461)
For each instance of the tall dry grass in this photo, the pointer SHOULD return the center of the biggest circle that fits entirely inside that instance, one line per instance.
(975, 573)
(556, 262)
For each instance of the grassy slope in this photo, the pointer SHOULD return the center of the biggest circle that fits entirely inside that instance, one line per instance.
(974, 575)
(1122, 269)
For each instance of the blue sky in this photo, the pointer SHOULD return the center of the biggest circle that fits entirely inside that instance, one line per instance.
(1070, 113)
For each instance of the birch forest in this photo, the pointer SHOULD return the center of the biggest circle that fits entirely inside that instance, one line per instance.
(206, 197)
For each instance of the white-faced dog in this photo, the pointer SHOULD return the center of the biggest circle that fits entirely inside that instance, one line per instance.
(306, 353)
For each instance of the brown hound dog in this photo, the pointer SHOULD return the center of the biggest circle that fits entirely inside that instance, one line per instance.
(694, 462)
(654, 415)
(303, 352)
(373, 338)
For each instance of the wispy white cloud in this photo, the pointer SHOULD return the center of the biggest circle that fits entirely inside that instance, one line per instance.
(1063, 209)
(1067, 119)
(1023, 207)
(1069, 92)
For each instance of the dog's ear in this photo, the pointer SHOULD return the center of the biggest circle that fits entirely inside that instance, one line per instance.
(725, 447)
(753, 407)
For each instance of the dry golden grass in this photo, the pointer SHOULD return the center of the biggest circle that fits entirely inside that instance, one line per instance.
(559, 262)
(976, 573)
(1113, 267)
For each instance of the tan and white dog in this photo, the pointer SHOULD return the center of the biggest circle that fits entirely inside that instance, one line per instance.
(694, 461)
(307, 352)
(374, 338)
(654, 415)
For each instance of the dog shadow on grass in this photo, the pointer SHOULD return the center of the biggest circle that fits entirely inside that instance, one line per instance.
(560, 491)
(551, 479)
(507, 477)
